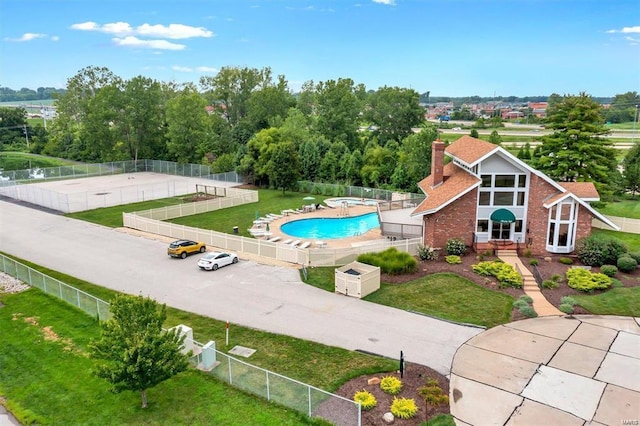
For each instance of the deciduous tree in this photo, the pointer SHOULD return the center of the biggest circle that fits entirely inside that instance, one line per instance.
(137, 353)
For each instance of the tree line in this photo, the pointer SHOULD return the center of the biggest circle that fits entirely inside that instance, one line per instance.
(248, 120)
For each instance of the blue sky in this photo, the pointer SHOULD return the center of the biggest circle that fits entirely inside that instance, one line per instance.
(447, 47)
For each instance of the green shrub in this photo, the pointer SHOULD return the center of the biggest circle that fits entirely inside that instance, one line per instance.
(598, 250)
(520, 303)
(427, 253)
(568, 300)
(455, 246)
(527, 252)
(616, 283)
(505, 273)
(566, 308)
(526, 298)
(528, 312)
(391, 261)
(533, 262)
(404, 408)
(557, 278)
(366, 399)
(550, 284)
(635, 256)
(583, 280)
(566, 261)
(391, 385)
(627, 264)
(453, 259)
(609, 270)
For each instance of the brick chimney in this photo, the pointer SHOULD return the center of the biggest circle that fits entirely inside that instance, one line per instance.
(437, 161)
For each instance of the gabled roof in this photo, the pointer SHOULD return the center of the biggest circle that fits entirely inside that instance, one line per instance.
(470, 151)
(457, 181)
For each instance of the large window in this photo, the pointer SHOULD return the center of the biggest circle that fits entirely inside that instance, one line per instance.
(562, 227)
(503, 190)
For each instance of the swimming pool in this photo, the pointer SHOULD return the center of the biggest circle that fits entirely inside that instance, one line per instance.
(331, 227)
(337, 202)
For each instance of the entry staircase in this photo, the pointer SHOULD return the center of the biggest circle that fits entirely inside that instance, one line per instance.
(540, 304)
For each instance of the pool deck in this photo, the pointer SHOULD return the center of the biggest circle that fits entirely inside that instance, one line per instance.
(374, 234)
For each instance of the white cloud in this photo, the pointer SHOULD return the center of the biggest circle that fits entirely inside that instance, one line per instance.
(206, 69)
(181, 69)
(26, 37)
(632, 40)
(123, 29)
(131, 41)
(55, 38)
(626, 30)
(387, 2)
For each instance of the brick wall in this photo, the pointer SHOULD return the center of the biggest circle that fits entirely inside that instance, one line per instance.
(457, 220)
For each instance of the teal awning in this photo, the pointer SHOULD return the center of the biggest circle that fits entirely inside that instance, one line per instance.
(503, 216)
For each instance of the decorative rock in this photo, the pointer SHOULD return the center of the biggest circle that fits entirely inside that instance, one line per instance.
(547, 259)
(388, 418)
(373, 381)
(8, 284)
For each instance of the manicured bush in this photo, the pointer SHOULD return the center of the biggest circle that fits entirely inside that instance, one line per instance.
(598, 250)
(404, 408)
(528, 312)
(533, 262)
(453, 259)
(427, 253)
(455, 246)
(527, 252)
(566, 308)
(391, 385)
(566, 261)
(526, 298)
(557, 278)
(568, 300)
(609, 270)
(520, 304)
(627, 264)
(391, 261)
(635, 256)
(505, 273)
(366, 399)
(550, 284)
(583, 280)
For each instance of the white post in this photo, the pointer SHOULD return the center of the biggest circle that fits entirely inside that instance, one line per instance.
(227, 335)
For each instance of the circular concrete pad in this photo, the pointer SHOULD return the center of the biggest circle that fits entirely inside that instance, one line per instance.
(552, 370)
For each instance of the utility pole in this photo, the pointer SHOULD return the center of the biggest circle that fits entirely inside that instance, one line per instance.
(26, 134)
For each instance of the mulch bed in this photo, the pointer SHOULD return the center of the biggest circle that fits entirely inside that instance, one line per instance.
(415, 376)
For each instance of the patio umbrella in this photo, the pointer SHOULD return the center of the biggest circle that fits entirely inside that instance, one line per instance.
(309, 198)
(267, 226)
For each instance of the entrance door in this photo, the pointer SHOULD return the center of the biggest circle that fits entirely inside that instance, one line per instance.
(501, 231)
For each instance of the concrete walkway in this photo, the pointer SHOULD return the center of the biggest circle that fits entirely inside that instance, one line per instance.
(540, 304)
(581, 370)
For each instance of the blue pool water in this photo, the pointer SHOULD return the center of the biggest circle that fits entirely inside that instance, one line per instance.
(331, 227)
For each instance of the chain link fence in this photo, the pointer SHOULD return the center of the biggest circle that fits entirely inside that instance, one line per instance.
(303, 398)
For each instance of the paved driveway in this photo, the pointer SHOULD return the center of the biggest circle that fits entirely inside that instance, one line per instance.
(270, 298)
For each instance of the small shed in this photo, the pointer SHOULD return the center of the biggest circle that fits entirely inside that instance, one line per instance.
(357, 279)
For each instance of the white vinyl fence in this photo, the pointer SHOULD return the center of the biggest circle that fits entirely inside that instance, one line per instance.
(303, 398)
(631, 226)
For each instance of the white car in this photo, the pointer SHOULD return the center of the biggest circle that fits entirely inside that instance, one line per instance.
(216, 259)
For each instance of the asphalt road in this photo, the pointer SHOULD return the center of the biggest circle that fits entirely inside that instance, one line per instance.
(265, 297)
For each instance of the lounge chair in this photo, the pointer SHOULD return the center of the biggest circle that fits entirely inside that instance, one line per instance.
(274, 239)
(295, 243)
(274, 216)
(304, 245)
(257, 232)
(287, 241)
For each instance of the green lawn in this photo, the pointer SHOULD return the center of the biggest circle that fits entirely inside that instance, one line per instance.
(442, 295)
(632, 241)
(271, 201)
(10, 160)
(617, 301)
(629, 208)
(46, 377)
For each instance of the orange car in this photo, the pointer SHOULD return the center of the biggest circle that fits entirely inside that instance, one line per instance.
(183, 248)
